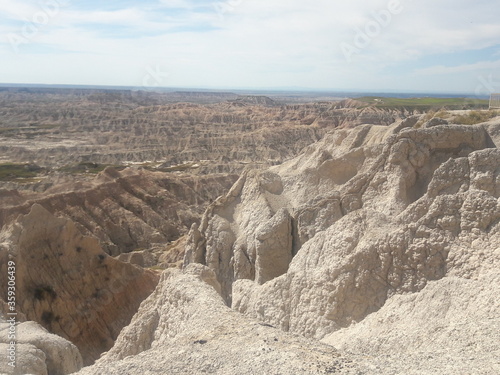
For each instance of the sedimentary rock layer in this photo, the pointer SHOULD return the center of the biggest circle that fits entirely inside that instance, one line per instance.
(184, 327)
(125, 210)
(68, 284)
(322, 241)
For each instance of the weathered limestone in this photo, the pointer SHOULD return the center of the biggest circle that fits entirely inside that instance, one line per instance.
(374, 212)
(184, 327)
(38, 351)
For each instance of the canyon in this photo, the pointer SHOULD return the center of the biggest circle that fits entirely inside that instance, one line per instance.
(176, 233)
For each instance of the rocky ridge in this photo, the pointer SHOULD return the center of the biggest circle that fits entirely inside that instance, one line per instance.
(361, 217)
(76, 290)
(184, 327)
(367, 227)
(61, 131)
(125, 210)
(451, 324)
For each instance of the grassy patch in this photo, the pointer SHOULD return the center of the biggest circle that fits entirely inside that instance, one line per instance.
(475, 117)
(47, 126)
(9, 132)
(10, 172)
(179, 168)
(424, 104)
(28, 181)
(88, 167)
(157, 268)
(29, 131)
(443, 114)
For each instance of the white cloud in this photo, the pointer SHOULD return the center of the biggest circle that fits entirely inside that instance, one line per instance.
(17, 10)
(477, 67)
(252, 42)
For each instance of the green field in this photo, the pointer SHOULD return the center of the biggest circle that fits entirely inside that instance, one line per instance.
(10, 171)
(425, 103)
(28, 131)
(88, 167)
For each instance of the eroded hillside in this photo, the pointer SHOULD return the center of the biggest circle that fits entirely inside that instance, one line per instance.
(68, 284)
(372, 219)
(59, 131)
(126, 210)
(361, 217)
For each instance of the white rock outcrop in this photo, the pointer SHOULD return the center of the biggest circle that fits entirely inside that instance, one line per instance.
(37, 351)
(184, 327)
(383, 242)
(372, 213)
(452, 326)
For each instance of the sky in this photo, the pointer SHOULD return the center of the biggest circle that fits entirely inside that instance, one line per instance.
(445, 46)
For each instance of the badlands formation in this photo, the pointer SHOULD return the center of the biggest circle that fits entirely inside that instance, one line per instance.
(382, 242)
(125, 210)
(58, 131)
(375, 250)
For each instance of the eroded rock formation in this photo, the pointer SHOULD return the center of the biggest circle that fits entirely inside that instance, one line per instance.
(126, 210)
(184, 327)
(452, 326)
(58, 130)
(68, 284)
(37, 351)
(380, 240)
(361, 216)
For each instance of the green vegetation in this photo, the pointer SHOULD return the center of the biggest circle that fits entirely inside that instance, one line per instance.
(28, 173)
(443, 114)
(47, 126)
(27, 181)
(430, 115)
(475, 117)
(424, 104)
(178, 168)
(10, 172)
(88, 167)
(32, 130)
(8, 132)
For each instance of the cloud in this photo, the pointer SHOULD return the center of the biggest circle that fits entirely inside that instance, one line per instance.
(477, 67)
(17, 10)
(253, 42)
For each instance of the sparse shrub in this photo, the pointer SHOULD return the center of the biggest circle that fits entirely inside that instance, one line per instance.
(443, 114)
(9, 172)
(430, 115)
(424, 119)
(475, 117)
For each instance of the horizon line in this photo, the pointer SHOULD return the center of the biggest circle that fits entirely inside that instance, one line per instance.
(246, 89)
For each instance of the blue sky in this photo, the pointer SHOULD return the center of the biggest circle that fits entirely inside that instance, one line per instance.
(401, 45)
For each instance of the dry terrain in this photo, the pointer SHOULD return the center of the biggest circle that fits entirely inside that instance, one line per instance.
(193, 233)
(80, 130)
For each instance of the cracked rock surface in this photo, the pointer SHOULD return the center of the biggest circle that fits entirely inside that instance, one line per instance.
(184, 327)
(375, 213)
